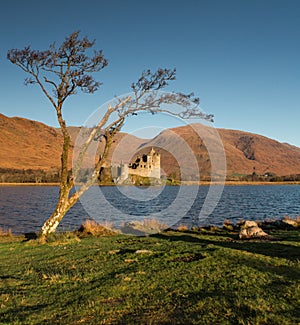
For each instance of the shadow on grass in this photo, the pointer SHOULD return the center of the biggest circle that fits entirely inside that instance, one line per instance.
(283, 275)
(30, 236)
(20, 313)
(267, 248)
(197, 308)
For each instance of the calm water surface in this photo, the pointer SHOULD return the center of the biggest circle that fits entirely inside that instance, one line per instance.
(24, 209)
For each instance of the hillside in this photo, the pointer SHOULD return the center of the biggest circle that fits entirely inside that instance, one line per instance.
(27, 144)
(245, 152)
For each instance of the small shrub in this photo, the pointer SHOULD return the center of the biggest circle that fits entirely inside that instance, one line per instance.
(91, 227)
(154, 224)
(297, 219)
(227, 224)
(182, 228)
(5, 233)
(294, 222)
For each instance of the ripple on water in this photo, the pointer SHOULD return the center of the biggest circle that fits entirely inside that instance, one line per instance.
(24, 209)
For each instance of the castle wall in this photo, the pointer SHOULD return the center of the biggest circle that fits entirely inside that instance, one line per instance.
(147, 165)
(144, 166)
(119, 173)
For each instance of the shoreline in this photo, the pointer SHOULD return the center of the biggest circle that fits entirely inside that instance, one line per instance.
(281, 223)
(29, 184)
(184, 183)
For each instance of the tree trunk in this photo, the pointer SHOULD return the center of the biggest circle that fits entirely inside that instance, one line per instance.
(64, 204)
(52, 223)
(62, 207)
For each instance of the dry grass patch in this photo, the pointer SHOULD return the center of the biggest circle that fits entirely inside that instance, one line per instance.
(143, 227)
(154, 224)
(182, 228)
(5, 233)
(294, 222)
(93, 228)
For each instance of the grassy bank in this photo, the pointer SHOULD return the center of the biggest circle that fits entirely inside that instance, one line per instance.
(200, 277)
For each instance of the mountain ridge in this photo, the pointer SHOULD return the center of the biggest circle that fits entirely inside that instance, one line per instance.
(28, 144)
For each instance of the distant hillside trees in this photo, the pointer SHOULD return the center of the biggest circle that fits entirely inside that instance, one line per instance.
(11, 175)
(62, 71)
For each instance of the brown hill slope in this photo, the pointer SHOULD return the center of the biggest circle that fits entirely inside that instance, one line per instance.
(245, 152)
(27, 144)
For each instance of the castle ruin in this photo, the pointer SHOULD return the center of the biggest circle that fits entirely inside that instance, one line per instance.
(146, 165)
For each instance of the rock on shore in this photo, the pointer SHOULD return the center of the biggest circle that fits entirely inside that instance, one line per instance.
(250, 230)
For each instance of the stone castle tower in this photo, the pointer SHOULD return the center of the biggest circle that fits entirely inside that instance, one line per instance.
(146, 165)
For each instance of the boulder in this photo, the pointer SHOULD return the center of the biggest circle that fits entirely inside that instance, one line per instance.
(249, 224)
(250, 230)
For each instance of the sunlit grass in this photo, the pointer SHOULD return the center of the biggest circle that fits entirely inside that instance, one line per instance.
(183, 277)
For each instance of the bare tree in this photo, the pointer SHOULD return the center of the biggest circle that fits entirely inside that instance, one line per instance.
(60, 72)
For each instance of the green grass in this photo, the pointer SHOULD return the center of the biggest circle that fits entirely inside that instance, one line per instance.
(200, 277)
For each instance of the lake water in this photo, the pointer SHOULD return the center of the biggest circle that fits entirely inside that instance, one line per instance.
(25, 208)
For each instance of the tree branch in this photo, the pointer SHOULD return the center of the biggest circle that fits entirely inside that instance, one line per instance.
(93, 133)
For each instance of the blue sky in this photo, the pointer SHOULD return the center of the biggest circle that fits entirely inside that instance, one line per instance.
(241, 57)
